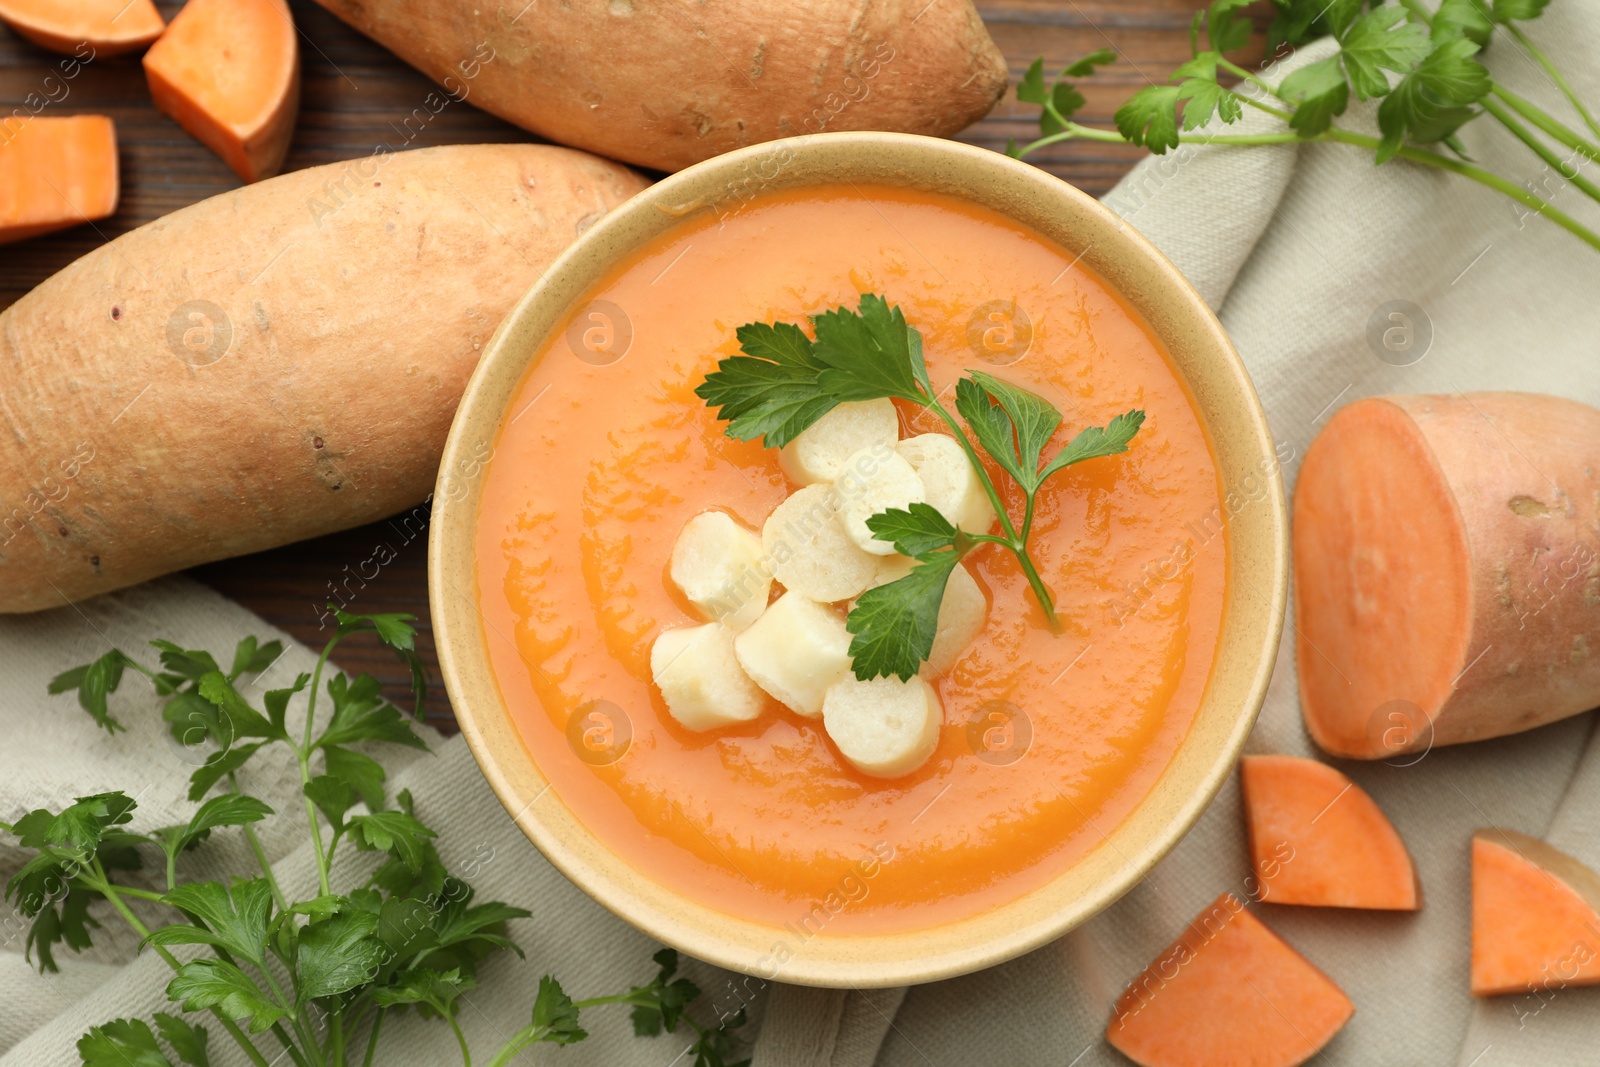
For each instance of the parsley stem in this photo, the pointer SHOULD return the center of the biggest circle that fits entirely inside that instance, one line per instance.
(1540, 149)
(372, 1037)
(1479, 175)
(304, 753)
(461, 1039)
(1544, 122)
(1414, 155)
(102, 884)
(260, 853)
(1254, 79)
(1555, 75)
(1018, 544)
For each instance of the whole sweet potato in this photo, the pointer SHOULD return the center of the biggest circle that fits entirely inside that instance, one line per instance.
(268, 365)
(664, 84)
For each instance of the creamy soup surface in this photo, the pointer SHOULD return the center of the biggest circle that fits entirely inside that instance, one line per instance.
(1049, 740)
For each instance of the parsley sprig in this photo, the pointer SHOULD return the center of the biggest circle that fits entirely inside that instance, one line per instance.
(784, 381)
(317, 974)
(1423, 66)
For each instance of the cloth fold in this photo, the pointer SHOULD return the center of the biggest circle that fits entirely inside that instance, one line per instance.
(1298, 247)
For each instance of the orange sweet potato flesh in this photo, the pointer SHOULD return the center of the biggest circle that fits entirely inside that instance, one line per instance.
(257, 368)
(228, 71)
(1447, 575)
(56, 172)
(1317, 838)
(106, 27)
(667, 84)
(1229, 991)
(1535, 916)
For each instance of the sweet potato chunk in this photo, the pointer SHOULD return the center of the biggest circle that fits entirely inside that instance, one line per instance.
(1227, 991)
(107, 27)
(1535, 916)
(1317, 838)
(228, 71)
(55, 173)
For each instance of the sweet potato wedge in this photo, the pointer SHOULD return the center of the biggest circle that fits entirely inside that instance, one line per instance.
(262, 367)
(665, 85)
(1447, 579)
(1535, 916)
(56, 172)
(1229, 991)
(107, 27)
(1317, 838)
(228, 71)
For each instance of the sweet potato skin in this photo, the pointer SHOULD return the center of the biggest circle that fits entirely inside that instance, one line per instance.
(268, 365)
(1524, 471)
(667, 85)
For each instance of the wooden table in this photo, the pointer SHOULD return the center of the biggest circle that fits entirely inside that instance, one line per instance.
(354, 89)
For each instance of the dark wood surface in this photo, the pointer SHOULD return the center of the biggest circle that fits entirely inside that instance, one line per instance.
(353, 90)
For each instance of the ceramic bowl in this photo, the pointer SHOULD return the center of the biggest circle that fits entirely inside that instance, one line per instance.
(1257, 566)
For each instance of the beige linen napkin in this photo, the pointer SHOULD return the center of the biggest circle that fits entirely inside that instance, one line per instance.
(1297, 248)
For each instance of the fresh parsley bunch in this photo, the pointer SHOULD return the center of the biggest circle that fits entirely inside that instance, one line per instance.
(784, 381)
(319, 974)
(1423, 66)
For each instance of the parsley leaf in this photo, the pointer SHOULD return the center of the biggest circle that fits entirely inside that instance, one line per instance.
(1150, 118)
(1096, 441)
(209, 983)
(395, 832)
(894, 624)
(121, 1043)
(771, 391)
(1320, 93)
(338, 954)
(235, 920)
(1462, 18)
(870, 353)
(395, 630)
(249, 657)
(230, 809)
(1434, 100)
(1374, 44)
(914, 530)
(94, 681)
(1518, 10)
(187, 1040)
(1227, 30)
(555, 1017)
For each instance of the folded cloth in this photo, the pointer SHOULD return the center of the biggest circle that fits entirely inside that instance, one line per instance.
(1297, 248)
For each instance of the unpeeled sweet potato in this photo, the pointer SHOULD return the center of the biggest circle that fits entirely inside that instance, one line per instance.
(665, 85)
(1447, 570)
(268, 365)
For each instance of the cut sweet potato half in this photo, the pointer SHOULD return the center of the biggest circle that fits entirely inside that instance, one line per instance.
(108, 27)
(228, 71)
(1535, 916)
(55, 173)
(1228, 991)
(1443, 582)
(1317, 838)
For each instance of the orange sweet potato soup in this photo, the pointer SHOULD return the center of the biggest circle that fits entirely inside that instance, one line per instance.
(1049, 738)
